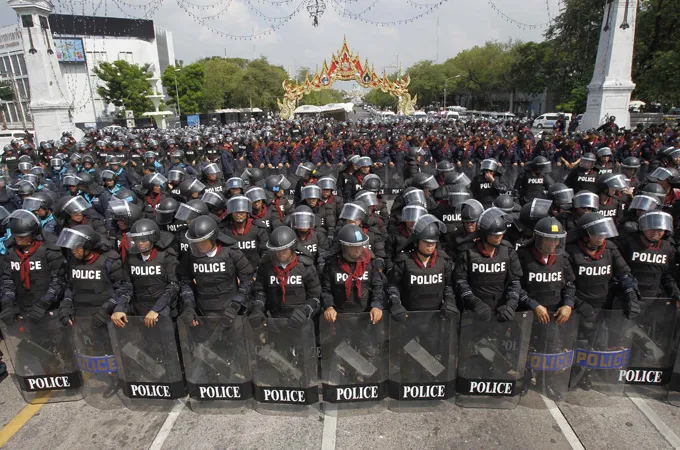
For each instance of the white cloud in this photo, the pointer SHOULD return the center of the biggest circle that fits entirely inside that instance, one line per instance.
(462, 24)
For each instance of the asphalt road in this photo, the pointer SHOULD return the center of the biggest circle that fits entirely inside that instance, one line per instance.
(585, 420)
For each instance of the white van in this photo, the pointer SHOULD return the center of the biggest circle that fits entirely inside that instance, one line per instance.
(547, 120)
(6, 137)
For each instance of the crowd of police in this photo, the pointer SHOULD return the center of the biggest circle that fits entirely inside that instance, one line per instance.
(292, 220)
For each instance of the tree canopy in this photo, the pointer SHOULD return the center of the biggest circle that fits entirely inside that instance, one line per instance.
(125, 85)
(189, 83)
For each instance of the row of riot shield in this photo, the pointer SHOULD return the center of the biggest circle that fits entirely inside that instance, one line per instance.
(421, 363)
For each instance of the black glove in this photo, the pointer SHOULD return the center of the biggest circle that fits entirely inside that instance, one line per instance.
(449, 309)
(299, 316)
(257, 316)
(483, 311)
(379, 263)
(230, 314)
(188, 315)
(8, 313)
(101, 317)
(586, 309)
(38, 310)
(634, 306)
(505, 313)
(398, 311)
(66, 311)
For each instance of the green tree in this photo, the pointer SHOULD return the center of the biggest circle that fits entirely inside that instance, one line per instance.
(189, 82)
(6, 91)
(322, 97)
(221, 78)
(380, 99)
(259, 85)
(125, 85)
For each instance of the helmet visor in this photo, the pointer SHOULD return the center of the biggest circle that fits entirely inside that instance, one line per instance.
(370, 198)
(186, 212)
(234, 183)
(140, 242)
(32, 204)
(302, 171)
(176, 176)
(424, 222)
(489, 164)
(540, 208)
(656, 220)
(202, 246)
(211, 169)
(457, 198)
(415, 196)
(586, 200)
(617, 182)
(70, 238)
(563, 196)
(308, 192)
(462, 179)
(256, 194)
(302, 220)
(76, 205)
(239, 203)
(327, 183)
(604, 227)
(548, 244)
(411, 213)
(352, 211)
(430, 183)
(642, 202)
(494, 220)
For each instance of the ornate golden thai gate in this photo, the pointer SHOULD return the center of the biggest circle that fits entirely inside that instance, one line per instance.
(346, 66)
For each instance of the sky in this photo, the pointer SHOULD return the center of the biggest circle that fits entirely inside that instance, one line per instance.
(455, 24)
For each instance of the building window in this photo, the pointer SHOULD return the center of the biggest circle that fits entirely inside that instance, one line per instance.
(15, 64)
(126, 56)
(13, 117)
(22, 64)
(5, 67)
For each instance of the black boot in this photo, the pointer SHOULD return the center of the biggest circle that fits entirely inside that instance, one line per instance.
(586, 382)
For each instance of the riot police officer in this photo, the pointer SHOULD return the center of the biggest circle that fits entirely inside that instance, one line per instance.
(311, 239)
(152, 267)
(487, 185)
(250, 234)
(35, 267)
(351, 280)
(487, 270)
(609, 187)
(535, 180)
(287, 284)
(583, 177)
(215, 276)
(422, 278)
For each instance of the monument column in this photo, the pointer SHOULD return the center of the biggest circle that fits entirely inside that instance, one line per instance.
(611, 85)
(49, 96)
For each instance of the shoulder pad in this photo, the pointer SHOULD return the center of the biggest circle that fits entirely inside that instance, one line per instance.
(166, 240)
(612, 245)
(259, 223)
(111, 254)
(304, 259)
(226, 240)
(443, 254)
(465, 246)
(507, 244)
(401, 257)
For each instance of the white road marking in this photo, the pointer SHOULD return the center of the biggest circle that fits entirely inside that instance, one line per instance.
(330, 424)
(165, 430)
(658, 423)
(568, 432)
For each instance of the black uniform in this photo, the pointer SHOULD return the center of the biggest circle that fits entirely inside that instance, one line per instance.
(582, 180)
(550, 285)
(529, 186)
(364, 280)
(253, 240)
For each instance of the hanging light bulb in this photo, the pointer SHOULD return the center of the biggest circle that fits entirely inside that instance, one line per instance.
(315, 8)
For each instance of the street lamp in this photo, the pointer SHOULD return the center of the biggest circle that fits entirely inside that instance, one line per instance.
(179, 112)
(446, 81)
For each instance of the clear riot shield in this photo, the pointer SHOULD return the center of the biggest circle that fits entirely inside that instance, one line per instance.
(551, 355)
(602, 352)
(97, 363)
(45, 367)
(285, 367)
(651, 353)
(674, 390)
(216, 366)
(149, 369)
(354, 364)
(491, 361)
(422, 370)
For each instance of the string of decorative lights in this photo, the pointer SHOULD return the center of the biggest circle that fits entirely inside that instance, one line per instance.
(252, 8)
(343, 12)
(367, 9)
(521, 25)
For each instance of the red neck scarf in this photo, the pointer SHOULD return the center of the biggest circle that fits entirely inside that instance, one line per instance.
(306, 237)
(275, 204)
(246, 228)
(403, 230)
(593, 256)
(124, 247)
(539, 257)
(282, 276)
(328, 201)
(152, 255)
(25, 263)
(153, 200)
(93, 257)
(419, 263)
(482, 250)
(261, 214)
(355, 275)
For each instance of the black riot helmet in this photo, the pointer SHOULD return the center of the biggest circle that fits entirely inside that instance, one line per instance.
(125, 211)
(541, 164)
(326, 183)
(424, 181)
(239, 203)
(607, 181)
(444, 166)
(631, 163)
(22, 222)
(492, 222)
(656, 220)
(73, 205)
(216, 201)
(143, 235)
(505, 203)
(548, 234)
(306, 169)
(188, 188)
(370, 198)
(561, 195)
(653, 190)
(153, 179)
(166, 210)
(428, 228)
(176, 176)
(456, 178)
(80, 236)
(643, 202)
(276, 183)
(457, 194)
(414, 195)
(372, 182)
(489, 164)
(302, 218)
(603, 151)
(56, 163)
(353, 240)
(255, 194)
(126, 195)
(355, 211)
(191, 210)
(586, 199)
(471, 210)
(588, 160)
(596, 228)
(252, 176)
(202, 235)
(532, 212)
(281, 238)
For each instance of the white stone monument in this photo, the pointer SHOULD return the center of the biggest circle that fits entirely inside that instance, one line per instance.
(49, 96)
(609, 90)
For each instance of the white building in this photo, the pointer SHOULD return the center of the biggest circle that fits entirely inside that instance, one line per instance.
(81, 43)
